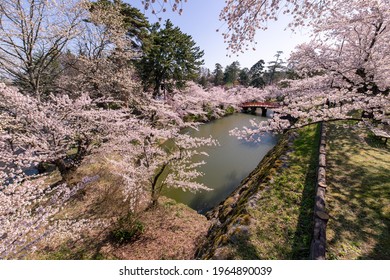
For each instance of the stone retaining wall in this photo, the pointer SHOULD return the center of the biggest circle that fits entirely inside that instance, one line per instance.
(318, 245)
(230, 218)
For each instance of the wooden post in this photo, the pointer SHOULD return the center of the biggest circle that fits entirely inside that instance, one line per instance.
(263, 111)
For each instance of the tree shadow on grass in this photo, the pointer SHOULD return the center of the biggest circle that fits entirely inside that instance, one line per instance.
(381, 251)
(81, 249)
(376, 142)
(361, 227)
(358, 198)
(303, 234)
(245, 250)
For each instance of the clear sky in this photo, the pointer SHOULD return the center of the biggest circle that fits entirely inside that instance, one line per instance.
(200, 19)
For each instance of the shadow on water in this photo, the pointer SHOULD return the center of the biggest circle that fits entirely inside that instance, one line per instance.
(207, 200)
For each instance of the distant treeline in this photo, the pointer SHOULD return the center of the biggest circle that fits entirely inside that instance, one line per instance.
(257, 76)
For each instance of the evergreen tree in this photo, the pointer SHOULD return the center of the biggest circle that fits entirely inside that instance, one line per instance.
(203, 77)
(244, 77)
(275, 66)
(172, 59)
(135, 21)
(231, 73)
(218, 75)
(256, 74)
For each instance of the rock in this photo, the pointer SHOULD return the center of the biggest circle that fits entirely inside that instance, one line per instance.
(322, 160)
(322, 184)
(321, 174)
(221, 253)
(237, 233)
(322, 215)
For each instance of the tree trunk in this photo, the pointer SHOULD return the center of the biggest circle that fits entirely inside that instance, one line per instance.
(156, 92)
(62, 167)
(38, 95)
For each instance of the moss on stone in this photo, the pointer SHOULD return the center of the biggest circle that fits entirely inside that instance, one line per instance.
(270, 195)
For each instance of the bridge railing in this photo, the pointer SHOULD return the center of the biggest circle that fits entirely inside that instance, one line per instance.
(258, 105)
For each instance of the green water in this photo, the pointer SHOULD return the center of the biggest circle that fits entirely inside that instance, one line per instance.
(227, 164)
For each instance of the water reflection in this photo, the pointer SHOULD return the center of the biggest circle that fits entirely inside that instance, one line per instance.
(227, 164)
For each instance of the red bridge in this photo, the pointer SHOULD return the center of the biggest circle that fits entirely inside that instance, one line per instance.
(252, 106)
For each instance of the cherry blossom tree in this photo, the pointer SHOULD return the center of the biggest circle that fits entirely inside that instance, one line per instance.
(33, 33)
(146, 145)
(33, 132)
(45, 132)
(27, 212)
(245, 17)
(148, 151)
(159, 159)
(103, 65)
(349, 37)
(344, 71)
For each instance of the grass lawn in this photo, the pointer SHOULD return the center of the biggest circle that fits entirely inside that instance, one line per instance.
(284, 213)
(358, 194)
(270, 215)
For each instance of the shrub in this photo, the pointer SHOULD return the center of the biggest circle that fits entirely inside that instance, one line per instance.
(128, 229)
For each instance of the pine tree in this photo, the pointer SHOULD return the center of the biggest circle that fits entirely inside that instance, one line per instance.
(244, 77)
(256, 74)
(171, 59)
(134, 21)
(275, 66)
(218, 75)
(231, 73)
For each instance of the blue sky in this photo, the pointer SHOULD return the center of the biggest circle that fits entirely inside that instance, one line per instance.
(200, 19)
